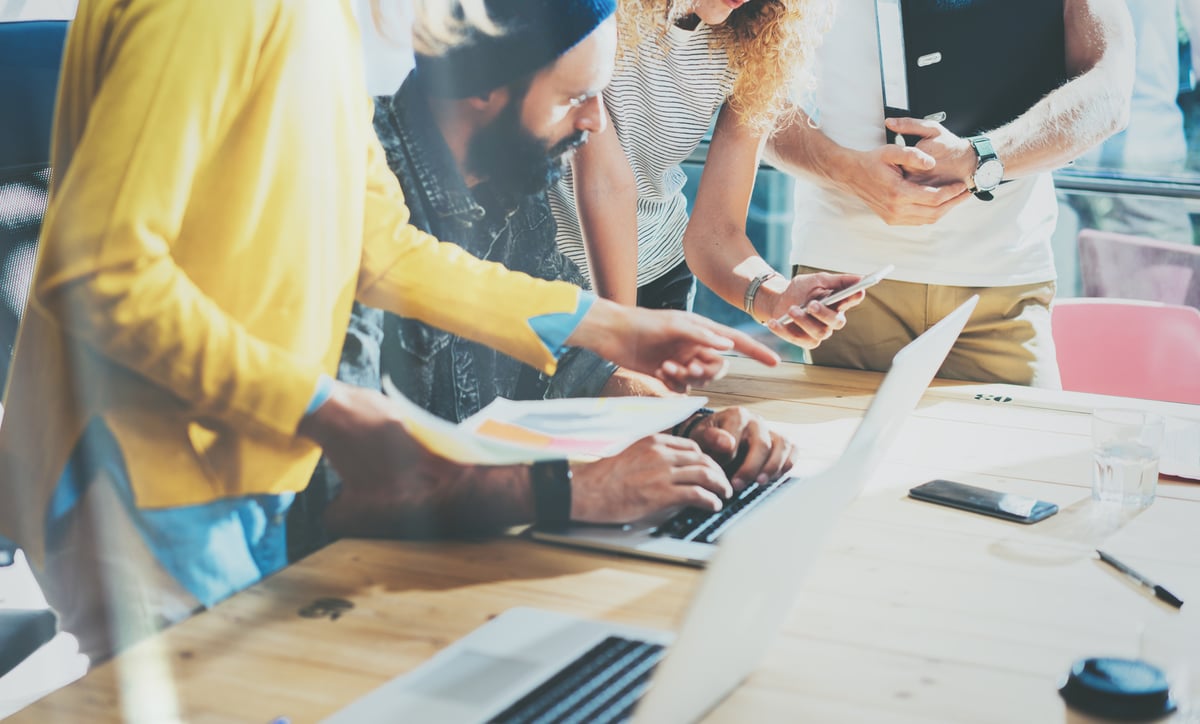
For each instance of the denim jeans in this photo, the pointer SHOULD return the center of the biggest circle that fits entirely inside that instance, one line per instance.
(213, 550)
(673, 290)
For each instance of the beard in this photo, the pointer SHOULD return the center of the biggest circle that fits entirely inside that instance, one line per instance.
(505, 153)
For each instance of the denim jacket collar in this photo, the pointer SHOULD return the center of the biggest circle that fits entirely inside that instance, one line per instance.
(430, 157)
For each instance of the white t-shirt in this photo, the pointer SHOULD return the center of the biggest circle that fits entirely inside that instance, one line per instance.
(661, 102)
(1001, 242)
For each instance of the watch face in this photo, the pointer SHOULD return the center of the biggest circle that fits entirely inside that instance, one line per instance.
(989, 174)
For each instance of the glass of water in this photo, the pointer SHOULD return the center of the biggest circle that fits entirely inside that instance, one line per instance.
(1125, 449)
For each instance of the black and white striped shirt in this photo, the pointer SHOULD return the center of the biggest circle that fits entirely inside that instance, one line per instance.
(661, 102)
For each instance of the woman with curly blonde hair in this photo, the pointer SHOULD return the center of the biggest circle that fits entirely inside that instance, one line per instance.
(621, 212)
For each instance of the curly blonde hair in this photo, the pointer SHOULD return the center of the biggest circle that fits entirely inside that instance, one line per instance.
(769, 44)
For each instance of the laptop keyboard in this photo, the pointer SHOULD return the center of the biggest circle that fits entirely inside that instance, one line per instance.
(602, 685)
(705, 526)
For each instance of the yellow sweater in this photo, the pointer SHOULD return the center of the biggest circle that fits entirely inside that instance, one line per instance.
(219, 200)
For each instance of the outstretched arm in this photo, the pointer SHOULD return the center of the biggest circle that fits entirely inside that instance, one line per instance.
(410, 273)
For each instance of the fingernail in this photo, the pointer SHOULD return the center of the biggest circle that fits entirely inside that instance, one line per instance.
(762, 478)
(814, 307)
(737, 483)
(716, 340)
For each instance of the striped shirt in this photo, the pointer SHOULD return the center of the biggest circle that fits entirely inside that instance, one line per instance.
(661, 102)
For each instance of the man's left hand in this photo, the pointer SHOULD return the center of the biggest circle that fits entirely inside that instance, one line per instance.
(736, 437)
(679, 348)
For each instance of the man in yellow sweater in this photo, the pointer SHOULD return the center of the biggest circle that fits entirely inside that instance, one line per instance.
(219, 201)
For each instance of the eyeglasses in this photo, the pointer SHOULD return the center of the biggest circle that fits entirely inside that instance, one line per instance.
(580, 100)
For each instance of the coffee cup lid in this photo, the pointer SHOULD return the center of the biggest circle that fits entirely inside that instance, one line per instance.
(1120, 689)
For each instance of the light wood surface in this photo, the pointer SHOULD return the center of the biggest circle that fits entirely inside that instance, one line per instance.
(913, 613)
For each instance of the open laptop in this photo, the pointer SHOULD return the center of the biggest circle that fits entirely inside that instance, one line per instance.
(688, 535)
(530, 665)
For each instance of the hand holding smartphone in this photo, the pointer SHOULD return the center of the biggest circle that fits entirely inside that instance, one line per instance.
(866, 282)
(1019, 508)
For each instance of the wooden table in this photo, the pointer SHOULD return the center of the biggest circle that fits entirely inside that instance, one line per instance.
(914, 612)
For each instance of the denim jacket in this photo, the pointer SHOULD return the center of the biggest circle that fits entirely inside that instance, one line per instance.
(446, 374)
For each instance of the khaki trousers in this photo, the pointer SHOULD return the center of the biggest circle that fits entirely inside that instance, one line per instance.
(1007, 338)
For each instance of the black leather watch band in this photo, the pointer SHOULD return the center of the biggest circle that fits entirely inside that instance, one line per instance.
(684, 428)
(987, 164)
(551, 484)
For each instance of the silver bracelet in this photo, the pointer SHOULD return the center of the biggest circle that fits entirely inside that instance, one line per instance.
(752, 291)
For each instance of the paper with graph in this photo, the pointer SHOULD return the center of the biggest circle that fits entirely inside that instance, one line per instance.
(509, 432)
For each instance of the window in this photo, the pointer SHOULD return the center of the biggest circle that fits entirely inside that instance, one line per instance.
(37, 9)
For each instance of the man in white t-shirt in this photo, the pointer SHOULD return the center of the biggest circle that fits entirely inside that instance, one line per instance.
(863, 203)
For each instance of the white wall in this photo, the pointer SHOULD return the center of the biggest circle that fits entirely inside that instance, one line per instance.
(388, 59)
(37, 9)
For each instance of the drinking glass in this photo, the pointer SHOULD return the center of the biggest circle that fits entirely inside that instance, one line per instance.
(1125, 449)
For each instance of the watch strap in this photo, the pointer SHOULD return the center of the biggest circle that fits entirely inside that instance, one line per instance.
(550, 481)
(684, 428)
(984, 151)
(983, 147)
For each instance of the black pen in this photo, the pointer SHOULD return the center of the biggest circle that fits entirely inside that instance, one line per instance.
(1160, 593)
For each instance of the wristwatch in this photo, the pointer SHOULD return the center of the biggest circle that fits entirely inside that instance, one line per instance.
(988, 171)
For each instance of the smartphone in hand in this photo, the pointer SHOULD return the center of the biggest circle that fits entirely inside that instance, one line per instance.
(1019, 508)
(866, 282)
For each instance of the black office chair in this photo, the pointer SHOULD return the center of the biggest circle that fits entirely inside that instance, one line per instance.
(30, 58)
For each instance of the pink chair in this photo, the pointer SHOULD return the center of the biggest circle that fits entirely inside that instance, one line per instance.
(1129, 348)
(1134, 267)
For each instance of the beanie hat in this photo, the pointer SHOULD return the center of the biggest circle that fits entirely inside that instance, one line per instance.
(534, 33)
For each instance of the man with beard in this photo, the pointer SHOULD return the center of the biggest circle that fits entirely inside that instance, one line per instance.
(475, 139)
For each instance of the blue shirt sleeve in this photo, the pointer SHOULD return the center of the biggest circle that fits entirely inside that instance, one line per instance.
(320, 395)
(553, 329)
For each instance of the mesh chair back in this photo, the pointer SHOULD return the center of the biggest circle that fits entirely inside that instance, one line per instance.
(1134, 267)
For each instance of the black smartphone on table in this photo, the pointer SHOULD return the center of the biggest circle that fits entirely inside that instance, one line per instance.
(1009, 506)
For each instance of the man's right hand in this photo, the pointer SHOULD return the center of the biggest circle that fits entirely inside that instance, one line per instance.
(656, 472)
(381, 466)
(878, 177)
